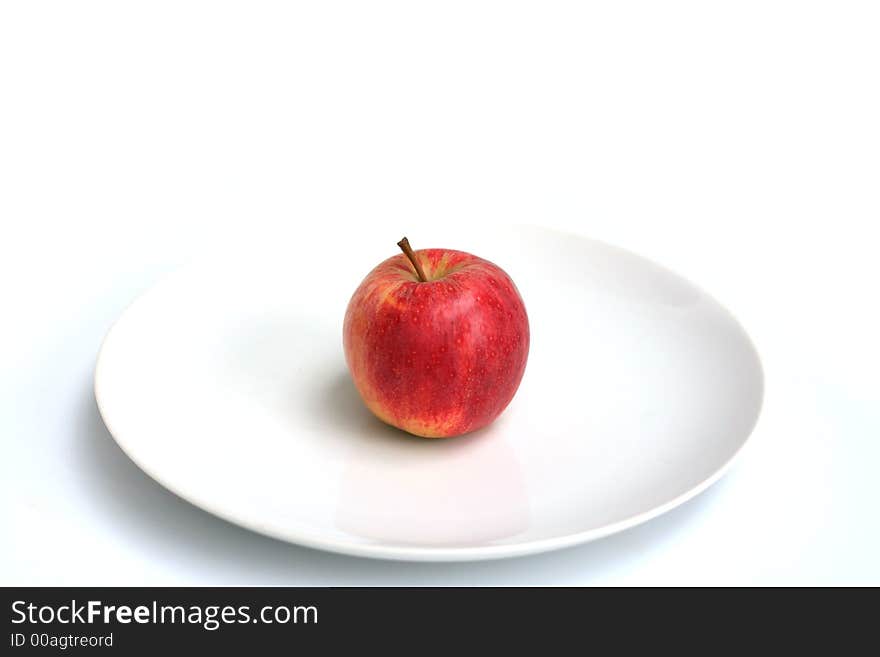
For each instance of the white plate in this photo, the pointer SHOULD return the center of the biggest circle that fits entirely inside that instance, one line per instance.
(226, 383)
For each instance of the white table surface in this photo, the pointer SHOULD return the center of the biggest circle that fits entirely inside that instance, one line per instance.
(738, 146)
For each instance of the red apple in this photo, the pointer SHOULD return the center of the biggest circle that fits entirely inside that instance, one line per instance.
(436, 341)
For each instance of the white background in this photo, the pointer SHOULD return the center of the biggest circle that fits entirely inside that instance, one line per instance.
(737, 143)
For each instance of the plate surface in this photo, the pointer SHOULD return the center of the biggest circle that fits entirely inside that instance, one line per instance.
(227, 384)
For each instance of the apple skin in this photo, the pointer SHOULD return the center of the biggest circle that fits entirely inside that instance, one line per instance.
(438, 358)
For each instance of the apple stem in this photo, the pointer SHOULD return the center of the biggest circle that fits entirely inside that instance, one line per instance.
(407, 250)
